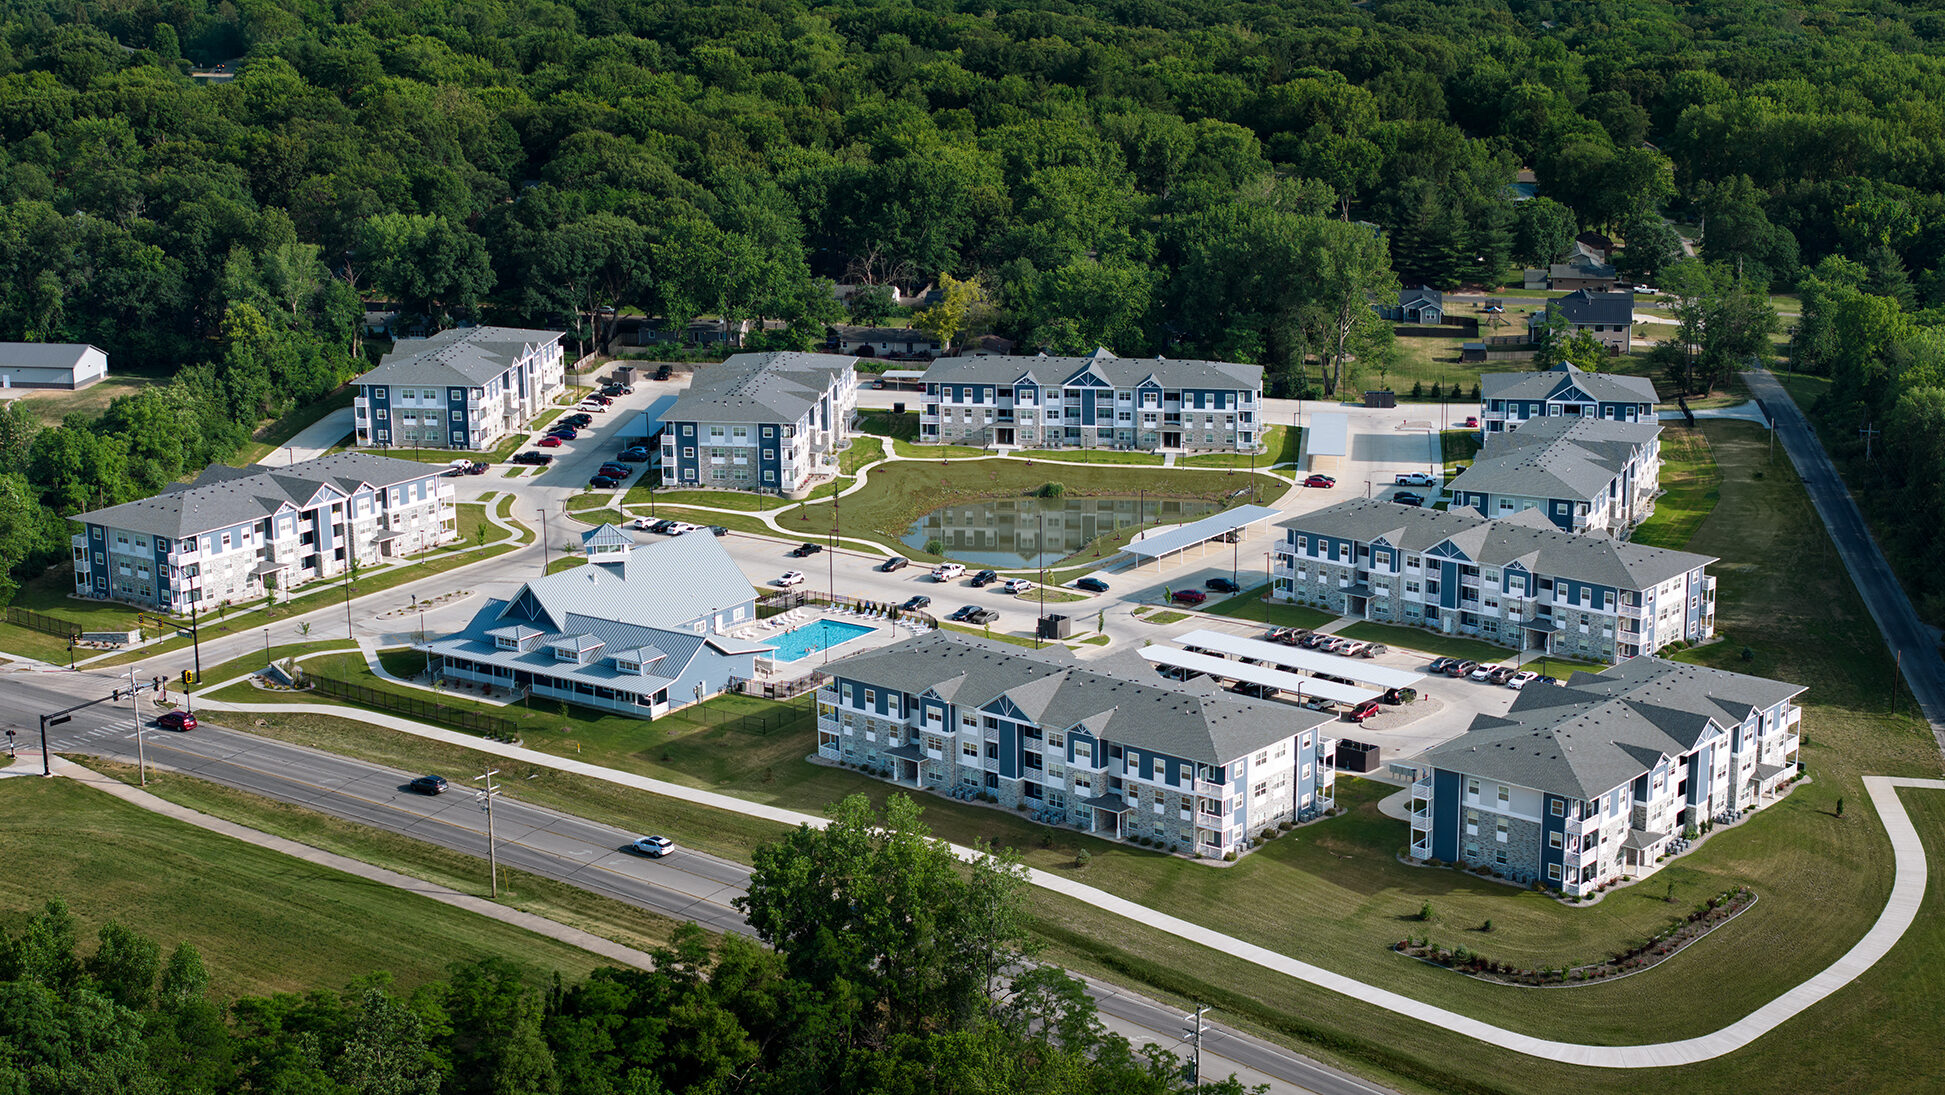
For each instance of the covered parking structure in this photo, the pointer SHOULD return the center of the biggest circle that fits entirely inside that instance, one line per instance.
(1265, 681)
(1297, 660)
(1227, 527)
(1327, 442)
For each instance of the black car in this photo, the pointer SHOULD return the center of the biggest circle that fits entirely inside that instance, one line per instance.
(963, 613)
(604, 482)
(429, 785)
(663, 372)
(541, 459)
(916, 603)
(1407, 498)
(802, 551)
(981, 616)
(632, 456)
(579, 418)
(1222, 585)
(565, 433)
(1092, 585)
(985, 578)
(719, 530)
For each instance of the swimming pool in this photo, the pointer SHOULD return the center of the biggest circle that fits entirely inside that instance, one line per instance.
(815, 637)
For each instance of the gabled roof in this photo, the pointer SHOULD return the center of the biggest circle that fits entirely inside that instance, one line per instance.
(1557, 457)
(1592, 306)
(465, 356)
(1109, 699)
(606, 536)
(1581, 266)
(1525, 538)
(776, 386)
(665, 584)
(43, 355)
(223, 497)
(1546, 383)
(884, 334)
(1420, 294)
(1605, 729)
(1119, 372)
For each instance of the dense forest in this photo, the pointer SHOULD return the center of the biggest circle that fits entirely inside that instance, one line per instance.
(893, 971)
(1190, 177)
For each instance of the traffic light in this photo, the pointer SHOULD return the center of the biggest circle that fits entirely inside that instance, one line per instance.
(156, 685)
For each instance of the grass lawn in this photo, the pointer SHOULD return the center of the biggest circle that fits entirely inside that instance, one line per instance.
(1457, 445)
(1250, 605)
(1691, 487)
(1281, 445)
(1165, 616)
(52, 405)
(237, 668)
(264, 922)
(718, 499)
(1095, 456)
(273, 435)
(555, 566)
(996, 636)
(1431, 642)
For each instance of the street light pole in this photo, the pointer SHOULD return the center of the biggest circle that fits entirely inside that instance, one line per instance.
(486, 797)
(135, 711)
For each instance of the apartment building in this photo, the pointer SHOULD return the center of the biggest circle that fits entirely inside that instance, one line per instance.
(1506, 400)
(466, 388)
(236, 534)
(768, 422)
(1095, 402)
(1586, 784)
(1108, 747)
(1518, 581)
(636, 630)
(1585, 474)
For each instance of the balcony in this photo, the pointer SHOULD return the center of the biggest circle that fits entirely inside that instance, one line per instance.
(1213, 821)
(1209, 788)
(1575, 826)
(1422, 789)
(1421, 849)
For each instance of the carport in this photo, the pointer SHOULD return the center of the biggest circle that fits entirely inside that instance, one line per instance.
(1327, 442)
(1227, 527)
(1298, 660)
(1275, 680)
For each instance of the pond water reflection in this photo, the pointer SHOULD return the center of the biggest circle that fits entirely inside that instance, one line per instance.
(1007, 533)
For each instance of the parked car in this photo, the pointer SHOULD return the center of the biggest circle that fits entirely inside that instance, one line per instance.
(599, 398)
(1188, 597)
(915, 602)
(1320, 481)
(1501, 675)
(719, 530)
(791, 578)
(176, 720)
(1471, 422)
(576, 420)
(633, 455)
(1482, 672)
(566, 433)
(1362, 711)
(1396, 696)
(1351, 649)
(604, 482)
(477, 468)
(1223, 585)
(1313, 641)
(946, 572)
(805, 550)
(985, 578)
(597, 408)
(1440, 665)
(1092, 585)
(981, 616)
(1460, 668)
(1372, 650)
(678, 528)
(618, 471)
(663, 372)
(452, 473)
(1518, 681)
(1016, 585)
(896, 562)
(1407, 498)
(1287, 636)
(549, 442)
(429, 785)
(532, 457)
(654, 847)
(1415, 479)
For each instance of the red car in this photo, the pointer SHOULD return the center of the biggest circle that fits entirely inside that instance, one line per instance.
(1363, 711)
(549, 442)
(176, 720)
(1472, 423)
(1189, 596)
(1320, 481)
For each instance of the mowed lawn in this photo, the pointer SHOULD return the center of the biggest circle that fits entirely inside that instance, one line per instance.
(1691, 487)
(264, 922)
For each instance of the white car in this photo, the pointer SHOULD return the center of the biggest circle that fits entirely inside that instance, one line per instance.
(1483, 672)
(681, 527)
(1521, 679)
(791, 578)
(946, 572)
(1351, 649)
(1415, 479)
(654, 847)
(1016, 585)
(593, 408)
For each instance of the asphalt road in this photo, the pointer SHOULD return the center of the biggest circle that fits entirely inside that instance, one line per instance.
(1906, 635)
(684, 885)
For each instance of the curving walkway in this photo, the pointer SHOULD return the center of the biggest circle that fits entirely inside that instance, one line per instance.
(1907, 893)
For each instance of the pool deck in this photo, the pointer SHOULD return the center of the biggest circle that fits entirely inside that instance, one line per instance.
(883, 633)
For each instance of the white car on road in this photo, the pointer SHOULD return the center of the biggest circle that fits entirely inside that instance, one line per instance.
(946, 572)
(791, 578)
(654, 847)
(1016, 585)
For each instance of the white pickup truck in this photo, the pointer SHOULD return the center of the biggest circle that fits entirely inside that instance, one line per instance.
(1416, 479)
(946, 572)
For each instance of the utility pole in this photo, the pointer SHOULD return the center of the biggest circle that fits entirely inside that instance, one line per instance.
(1868, 432)
(544, 549)
(486, 797)
(1194, 1033)
(134, 709)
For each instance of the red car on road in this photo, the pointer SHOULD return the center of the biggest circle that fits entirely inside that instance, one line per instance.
(176, 720)
(1320, 481)
(1189, 596)
(1362, 711)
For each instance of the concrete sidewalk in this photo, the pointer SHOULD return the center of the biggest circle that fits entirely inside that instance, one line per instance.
(575, 937)
(1899, 912)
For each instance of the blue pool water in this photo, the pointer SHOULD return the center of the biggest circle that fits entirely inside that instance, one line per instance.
(815, 637)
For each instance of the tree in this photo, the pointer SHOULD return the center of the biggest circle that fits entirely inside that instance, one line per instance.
(426, 263)
(963, 306)
(124, 966)
(1345, 268)
(386, 1053)
(1650, 246)
(1544, 231)
(872, 305)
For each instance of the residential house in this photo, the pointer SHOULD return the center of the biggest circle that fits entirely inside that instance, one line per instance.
(1416, 304)
(69, 366)
(1099, 401)
(1107, 746)
(1566, 390)
(1582, 271)
(1585, 474)
(768, 422)
(985, 346)
(898, 342)
(237, 534)
(1517, 582)
(1598, 781)
(1609, 317)
(466, 388)
(636, 630)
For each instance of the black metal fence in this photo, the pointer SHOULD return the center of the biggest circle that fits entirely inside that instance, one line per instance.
(775, 604)
(35, 621)
(778, 690)
(492, 726)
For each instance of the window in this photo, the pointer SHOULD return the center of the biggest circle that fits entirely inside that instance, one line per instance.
(870, 697)
(1505, 795)
(1472, 823)
(1472, 788)
(1553, 871)
(1557, 807)
(1500, 829)
(1554, 840)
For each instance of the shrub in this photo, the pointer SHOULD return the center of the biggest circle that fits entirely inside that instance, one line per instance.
(1051, 490)
(1425, 912)
(1487, 926)
(1082, 858)
(1229, 857)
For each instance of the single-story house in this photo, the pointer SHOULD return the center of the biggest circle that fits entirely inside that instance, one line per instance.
(885, 341)
(68, 365)
(1416, 304)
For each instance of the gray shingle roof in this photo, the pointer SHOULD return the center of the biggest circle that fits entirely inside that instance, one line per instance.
(1604, 729)
(1129, 707)
(466, 356)
(1546, 383)
(223, 497)
(777, 386)
(1120, 372)
(1420, 293)
(1527, 539)
(43, 355)
(1555, 457)
(1590, 306)
(885, 334)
